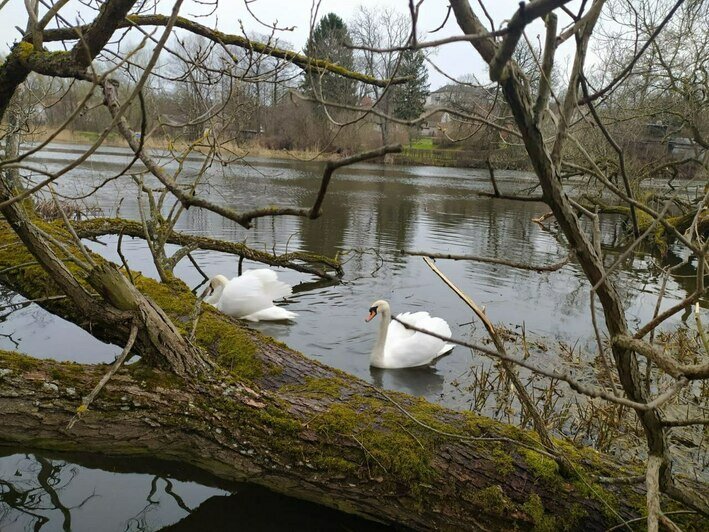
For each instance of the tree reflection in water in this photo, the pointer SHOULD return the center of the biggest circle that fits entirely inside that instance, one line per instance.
(34, 491)
(129, 495)
(40, 493)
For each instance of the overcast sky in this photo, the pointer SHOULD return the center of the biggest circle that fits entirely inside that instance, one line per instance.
(455, 59)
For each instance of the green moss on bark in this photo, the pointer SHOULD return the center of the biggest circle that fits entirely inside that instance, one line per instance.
(543, 467)
(543, 522)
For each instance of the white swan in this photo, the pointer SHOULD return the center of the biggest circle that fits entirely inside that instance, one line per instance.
(399, 347)
(250, 296)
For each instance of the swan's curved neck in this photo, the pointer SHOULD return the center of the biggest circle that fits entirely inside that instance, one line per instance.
(376, 358)
(216, 295)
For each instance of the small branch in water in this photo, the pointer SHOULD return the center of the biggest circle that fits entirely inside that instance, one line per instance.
(363, 251)
(541, 268)
(543, 217)
(492, 177)
(111, 372)
(331, 166)
(536, 199)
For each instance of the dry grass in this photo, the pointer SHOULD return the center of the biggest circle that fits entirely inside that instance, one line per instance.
(49, 210)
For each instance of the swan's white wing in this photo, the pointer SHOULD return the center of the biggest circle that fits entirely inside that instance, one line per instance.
(243, 296)
(406, 348)
(398, 331)
(272, 287)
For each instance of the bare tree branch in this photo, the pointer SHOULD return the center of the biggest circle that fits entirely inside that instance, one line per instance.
(503, 262)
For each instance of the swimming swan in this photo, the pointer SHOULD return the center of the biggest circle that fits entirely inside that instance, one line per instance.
(250, 296)
(399, 347)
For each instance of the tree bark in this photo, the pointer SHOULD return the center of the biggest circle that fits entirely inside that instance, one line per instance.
(313, 433)
(547, 167)
(299, 260)
(271, 416)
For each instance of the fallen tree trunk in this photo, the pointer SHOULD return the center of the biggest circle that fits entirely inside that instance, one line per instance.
(271, 416)
(315, 434)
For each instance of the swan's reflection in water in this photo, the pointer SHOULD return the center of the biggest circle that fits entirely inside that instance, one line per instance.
(424, 381)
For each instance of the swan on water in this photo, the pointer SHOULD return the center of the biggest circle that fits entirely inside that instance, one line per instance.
(399, 347)
(250, 296)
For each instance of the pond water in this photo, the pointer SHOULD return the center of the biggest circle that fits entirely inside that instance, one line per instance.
(371, 213)
(80, 493)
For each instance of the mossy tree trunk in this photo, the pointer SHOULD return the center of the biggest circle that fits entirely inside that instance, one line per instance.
(267, 414)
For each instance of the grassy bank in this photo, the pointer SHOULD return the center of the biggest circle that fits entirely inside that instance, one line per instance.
(179, 145)
(425, 152)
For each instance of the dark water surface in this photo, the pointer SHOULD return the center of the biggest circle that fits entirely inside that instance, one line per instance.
(83, 493)
(371, 213)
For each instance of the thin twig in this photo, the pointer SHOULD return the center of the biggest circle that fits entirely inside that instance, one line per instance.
(584, 389)
(685, 422)
(72, 232)
(196, 313)
(457, 436)
(522, 394)
(643, 518)
(28, 302)
(700, 329)
(194, 263)
(112, 371)
(621, 480)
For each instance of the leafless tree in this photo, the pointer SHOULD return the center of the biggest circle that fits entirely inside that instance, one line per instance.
(230, 400)
(374, 29)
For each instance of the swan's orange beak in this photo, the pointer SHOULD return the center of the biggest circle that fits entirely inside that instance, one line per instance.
(372, 314)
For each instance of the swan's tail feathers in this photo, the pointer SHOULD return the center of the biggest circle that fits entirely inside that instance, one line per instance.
(447, 348)
(279, 290)
(271, 314)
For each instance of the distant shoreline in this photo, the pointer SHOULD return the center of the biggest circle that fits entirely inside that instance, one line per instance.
(236, 151)
(409, 157)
